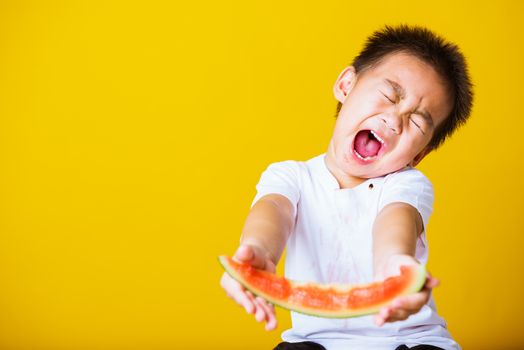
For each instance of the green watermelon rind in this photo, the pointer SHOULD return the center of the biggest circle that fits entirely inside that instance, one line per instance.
(415, 286)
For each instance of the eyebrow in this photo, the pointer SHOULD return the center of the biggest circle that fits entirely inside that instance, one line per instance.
(401, 92)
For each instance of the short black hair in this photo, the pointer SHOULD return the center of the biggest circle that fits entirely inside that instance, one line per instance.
(444, 56)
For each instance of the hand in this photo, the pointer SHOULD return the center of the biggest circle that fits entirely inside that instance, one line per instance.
(262, 310)
(402, 307)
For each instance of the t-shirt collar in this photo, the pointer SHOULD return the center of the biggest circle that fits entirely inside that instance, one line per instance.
(330, 180)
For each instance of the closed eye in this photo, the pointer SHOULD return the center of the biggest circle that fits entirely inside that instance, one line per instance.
(418, 126)
(386, 96)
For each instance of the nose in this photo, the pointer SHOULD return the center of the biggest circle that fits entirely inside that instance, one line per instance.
(393, 122)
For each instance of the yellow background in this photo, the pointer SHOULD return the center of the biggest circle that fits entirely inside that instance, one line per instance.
(132, 135)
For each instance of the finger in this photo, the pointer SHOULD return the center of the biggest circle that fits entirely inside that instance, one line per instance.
(271, 320)
(244, 253)
(235, 291)
(260, 310)
(249, 254)
(411, 303)
(263, 304)
(382, 316)
(398, 315)
(242, 299)
(250, 295)
(252, 298)
(223, 284)
(379, 321)
(431, 282)
(260, 314)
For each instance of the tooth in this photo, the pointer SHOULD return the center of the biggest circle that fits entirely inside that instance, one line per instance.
(377, 137)
(364, 158)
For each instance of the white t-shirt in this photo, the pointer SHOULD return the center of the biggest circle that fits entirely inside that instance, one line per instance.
(332, 243)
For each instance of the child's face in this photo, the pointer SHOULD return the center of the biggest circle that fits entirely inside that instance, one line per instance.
(389, 115)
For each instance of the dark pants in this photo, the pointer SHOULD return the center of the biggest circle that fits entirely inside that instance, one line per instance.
(308, 345)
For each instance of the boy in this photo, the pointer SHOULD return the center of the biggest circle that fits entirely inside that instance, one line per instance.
(359, 211)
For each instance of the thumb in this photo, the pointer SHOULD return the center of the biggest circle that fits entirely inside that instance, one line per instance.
(251, 255)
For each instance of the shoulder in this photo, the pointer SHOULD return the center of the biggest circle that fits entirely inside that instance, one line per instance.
(408, 185)
(291, 174)
(292, 168)
(284, 178)
(410, 177)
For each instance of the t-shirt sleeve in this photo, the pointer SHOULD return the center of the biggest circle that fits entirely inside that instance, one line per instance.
(412, 187)
(280, 178)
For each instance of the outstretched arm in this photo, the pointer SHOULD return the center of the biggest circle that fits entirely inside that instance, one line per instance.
(268, 225)
(263, 239)
(395, 233)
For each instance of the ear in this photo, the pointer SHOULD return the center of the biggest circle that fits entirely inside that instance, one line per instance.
(418, 158)
(345, 81)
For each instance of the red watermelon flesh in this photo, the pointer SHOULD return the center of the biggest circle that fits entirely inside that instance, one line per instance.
(326, 300)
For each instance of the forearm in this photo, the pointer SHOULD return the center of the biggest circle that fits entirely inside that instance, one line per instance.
(395, 232)
(268, 225)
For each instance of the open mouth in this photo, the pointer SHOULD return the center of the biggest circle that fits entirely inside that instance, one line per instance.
(367, 145)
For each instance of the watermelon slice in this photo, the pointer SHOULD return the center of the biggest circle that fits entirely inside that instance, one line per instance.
(326, 300)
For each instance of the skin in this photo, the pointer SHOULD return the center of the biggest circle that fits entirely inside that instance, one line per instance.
(369, 103)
